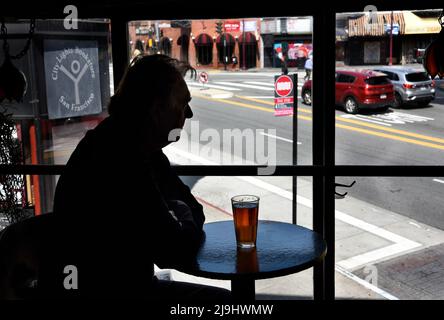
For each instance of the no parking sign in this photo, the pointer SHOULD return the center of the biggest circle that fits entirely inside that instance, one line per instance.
(203, 77)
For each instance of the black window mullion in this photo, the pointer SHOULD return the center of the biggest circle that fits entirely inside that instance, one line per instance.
(323, 95)
(120, 52)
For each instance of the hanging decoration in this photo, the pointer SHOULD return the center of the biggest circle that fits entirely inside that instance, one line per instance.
(13, 82)
(434, 54)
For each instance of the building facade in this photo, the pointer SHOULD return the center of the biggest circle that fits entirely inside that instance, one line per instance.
(230, 44)
(376, 39)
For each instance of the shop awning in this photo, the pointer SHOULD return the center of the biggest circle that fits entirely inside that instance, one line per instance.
(248, 37)
(228, 38)
(364, 26)
(203, 39)
(418, 25)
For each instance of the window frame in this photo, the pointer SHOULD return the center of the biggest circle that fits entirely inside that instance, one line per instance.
(323, 170)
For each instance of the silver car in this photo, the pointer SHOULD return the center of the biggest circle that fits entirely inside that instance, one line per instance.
(411, 86)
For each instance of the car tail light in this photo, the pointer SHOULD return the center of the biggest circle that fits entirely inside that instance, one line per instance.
(408, 86)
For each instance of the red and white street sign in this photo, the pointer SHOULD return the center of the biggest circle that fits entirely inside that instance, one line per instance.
(283, 86)
(203, 77)
(283, 95)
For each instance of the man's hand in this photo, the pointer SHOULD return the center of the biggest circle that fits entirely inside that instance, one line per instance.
(180, 211)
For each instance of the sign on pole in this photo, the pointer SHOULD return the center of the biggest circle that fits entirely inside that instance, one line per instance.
(283, 95)
(203, 78)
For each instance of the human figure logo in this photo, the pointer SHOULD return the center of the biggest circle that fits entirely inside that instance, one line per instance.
(75, 71)
(73, 78)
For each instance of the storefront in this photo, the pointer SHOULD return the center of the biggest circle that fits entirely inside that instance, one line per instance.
(421, 28)
(286, 37)
(369, 41)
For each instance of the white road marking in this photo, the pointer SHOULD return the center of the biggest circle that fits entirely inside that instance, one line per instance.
(365, 118)
(267, 84)
(277, 138)
(387, 119)
(212, 86)
(259, 97)
(437, 180)
(242, 85)
(365, 284)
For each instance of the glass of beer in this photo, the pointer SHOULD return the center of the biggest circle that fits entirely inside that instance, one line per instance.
(245, 214)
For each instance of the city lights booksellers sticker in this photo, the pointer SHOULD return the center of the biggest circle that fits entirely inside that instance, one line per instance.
(72, 78)
(283, 95)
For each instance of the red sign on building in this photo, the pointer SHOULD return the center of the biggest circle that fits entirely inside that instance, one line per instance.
(232, 26)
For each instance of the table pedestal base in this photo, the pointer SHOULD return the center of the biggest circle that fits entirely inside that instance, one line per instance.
(243, 290)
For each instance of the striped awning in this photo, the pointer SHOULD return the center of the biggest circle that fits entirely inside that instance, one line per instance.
(229, 39)
(248, 37)
(203, 39)
(419, 25)
(362, 26)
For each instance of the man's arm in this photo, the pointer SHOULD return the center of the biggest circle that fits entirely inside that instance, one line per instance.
(175, 189)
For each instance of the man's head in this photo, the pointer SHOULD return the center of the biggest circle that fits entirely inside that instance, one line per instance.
(153, 97)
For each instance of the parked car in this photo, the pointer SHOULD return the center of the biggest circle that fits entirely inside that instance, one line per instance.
(358, 89)
(411, 85)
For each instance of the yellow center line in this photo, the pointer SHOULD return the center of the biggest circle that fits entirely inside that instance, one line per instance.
(389, 136)
(403, 132)
(364, 124)
(269, 103)
(342, 126)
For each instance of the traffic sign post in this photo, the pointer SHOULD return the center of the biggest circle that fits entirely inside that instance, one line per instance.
(283, 95)
(203, 78)
(285, 104)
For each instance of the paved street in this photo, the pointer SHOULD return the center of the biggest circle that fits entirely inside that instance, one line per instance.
(408, 136)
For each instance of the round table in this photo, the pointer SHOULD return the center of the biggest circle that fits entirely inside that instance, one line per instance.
(281, 249)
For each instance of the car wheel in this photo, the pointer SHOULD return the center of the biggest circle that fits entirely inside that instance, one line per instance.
(398, 101)
(351, 106)
(306, 97)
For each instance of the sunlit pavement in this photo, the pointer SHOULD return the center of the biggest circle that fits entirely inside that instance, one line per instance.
(366, 236)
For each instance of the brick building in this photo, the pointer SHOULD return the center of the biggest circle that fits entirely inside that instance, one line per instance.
(200, 43)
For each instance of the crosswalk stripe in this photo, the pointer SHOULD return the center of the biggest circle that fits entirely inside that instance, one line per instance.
(213, 86)
(261, 83)
(243, 85)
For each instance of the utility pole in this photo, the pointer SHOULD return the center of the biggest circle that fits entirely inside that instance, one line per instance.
(391, 40)
(244, 65)
(225, 48)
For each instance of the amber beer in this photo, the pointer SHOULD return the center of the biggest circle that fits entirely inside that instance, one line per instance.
(245, 214)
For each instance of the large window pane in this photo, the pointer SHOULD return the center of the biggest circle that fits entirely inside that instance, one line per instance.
(234, 121)
(392, 242)
(69, 82)
(387, 124)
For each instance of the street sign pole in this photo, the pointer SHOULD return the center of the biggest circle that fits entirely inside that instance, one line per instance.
(295, 147)
(391, 39)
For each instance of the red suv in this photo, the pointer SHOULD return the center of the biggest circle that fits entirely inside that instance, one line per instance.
(358, 89)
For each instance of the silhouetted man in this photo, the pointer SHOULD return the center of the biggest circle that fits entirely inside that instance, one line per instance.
(121, 207)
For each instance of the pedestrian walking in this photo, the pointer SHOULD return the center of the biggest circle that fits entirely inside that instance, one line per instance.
(308, 68)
